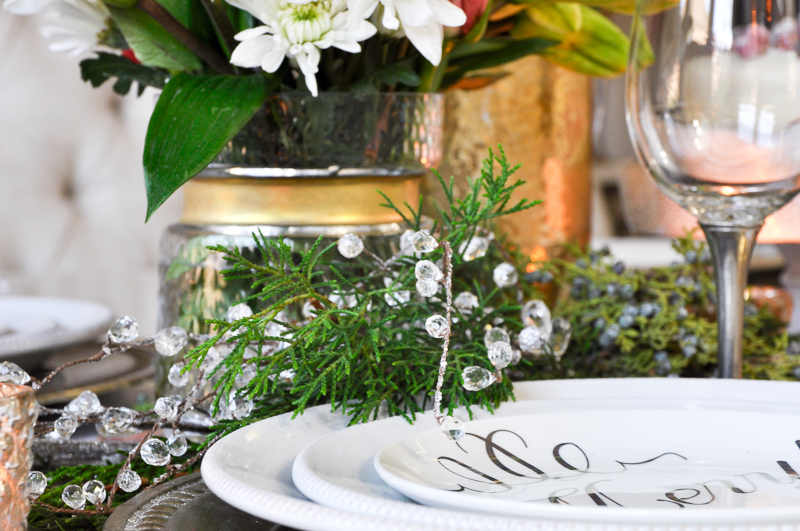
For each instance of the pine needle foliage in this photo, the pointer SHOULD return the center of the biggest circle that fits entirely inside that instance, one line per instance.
(350, 332)
(672, 328)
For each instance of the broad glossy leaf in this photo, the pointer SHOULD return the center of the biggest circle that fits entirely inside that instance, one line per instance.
(193, 120)
(152, 44)
(588, 42)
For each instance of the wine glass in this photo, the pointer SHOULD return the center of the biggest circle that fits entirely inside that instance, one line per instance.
(713, 110)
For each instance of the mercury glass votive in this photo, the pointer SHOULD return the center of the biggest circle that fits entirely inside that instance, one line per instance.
(17, 416)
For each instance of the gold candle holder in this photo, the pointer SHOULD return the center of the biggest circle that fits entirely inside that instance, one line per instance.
(17, 417)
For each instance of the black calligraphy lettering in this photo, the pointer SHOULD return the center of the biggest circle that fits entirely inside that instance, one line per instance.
(490, 479)
(491, 446)
(561, 461)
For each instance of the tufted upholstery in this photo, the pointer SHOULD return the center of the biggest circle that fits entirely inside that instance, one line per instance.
(72, 199)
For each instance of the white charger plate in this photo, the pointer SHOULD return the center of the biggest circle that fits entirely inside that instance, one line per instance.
(34, 325)
(337, 470)
(251, 469)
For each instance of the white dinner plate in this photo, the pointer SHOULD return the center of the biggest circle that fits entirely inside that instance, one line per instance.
(338, 471)
(668, 466)
(252, 468)
(32, 326)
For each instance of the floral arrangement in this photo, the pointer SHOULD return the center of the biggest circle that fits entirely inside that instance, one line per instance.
(217, 61)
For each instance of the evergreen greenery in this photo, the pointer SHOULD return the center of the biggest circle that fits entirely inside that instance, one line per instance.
(350, 332)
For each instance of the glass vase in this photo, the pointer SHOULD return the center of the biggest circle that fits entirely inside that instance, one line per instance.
(17, 416)
(301, 169)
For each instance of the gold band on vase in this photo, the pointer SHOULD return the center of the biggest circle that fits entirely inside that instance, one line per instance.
(297, 201)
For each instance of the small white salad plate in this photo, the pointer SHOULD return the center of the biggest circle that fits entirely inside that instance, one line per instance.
(667, 466)
(252, 468)
(32, 326)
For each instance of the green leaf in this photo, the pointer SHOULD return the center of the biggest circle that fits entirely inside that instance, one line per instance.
(105, 66)
(648, 7)
(588, 41)
(498, 52)
(152, 44)
(479, 29)
(193, 120)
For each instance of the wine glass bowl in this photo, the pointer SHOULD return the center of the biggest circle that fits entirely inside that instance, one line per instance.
(713, 110)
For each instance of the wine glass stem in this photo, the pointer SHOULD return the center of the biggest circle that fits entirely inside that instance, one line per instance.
(731, 248)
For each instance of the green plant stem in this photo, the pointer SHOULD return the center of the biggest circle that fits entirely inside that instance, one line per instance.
(186, 37)
(223, 25)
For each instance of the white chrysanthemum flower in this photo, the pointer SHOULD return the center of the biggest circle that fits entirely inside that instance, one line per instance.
(422, 21)
(298, 29)
(74, 25)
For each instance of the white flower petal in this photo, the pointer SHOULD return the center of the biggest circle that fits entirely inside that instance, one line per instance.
(427, 39)
(251, 52)
(361, 9)
(363, 31)
(412, 12)
(308, 65)
(447, 14)
(272, 61)
(264, 10)
(252, 32)
(347, 44)
(390, 20)
(25, 7)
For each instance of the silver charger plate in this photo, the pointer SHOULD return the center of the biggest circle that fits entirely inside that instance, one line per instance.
(183, 504)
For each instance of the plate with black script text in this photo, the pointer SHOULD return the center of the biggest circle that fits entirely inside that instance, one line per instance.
(662, 465)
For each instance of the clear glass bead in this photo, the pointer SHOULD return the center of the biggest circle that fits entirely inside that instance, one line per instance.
(95, 492)
(405, 241)
(436, 325)
(85, 404)
(466, 302)
(37, 483)
(427, 288)
(501, 354)
(287, 375)
(453, 428)
(477, 378)
(560, 336)
(238, 311)
(124, 330)
(516, 356)
(117, 420)
(170, 341)
(73, 496)
(427, 270)
(177, 444)
(166, 407)
(240, 407)
(350, 245)
(397, 297)
(423, 242)
(155, 452)
(494, 335)
(505, 275)
(13, 373)
(536, 313)
(532, 340)
(128, 480)
(212, 359)
(343, 300)
(248, 373)
(175, 375)
(473, 248)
